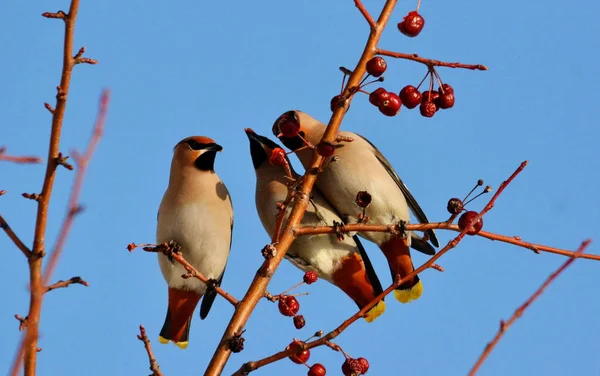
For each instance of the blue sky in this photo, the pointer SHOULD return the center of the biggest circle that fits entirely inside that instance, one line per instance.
(214, 68)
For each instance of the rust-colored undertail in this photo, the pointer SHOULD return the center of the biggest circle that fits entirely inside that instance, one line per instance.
(397, 253)
(179, 317)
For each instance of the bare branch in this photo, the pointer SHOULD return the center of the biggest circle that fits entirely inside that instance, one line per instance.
(154, 367)
(64, 284)
(430, 62)
(15, 159)
(11, 234)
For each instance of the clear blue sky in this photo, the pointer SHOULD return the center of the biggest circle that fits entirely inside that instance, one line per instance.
(213, 68)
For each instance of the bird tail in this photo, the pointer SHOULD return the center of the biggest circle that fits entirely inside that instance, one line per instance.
(397, 252)
(352, 278)
(179, 317)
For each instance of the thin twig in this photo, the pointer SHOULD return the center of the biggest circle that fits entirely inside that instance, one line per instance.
(28, 349)
(430, 62)
(15, 159)
(519, 311)
(11, 234)
(67, 283)
(169, 250)
(395, 228)
(251, 366)
(154, 367)
(365, 13)
(263, 275)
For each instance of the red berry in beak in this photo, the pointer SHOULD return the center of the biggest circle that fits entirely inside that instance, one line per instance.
(391, 106)
(410, 96)
(467, 219)
(378, 96)
(412, 24)
(288, 305)
(289, 128)
(376, 66)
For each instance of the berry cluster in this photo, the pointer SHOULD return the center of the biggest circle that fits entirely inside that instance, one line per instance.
(469, 218)
(288, 304)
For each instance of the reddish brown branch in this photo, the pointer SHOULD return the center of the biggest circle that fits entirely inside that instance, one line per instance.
(519, 311)
(251, 366)
(172, 250)
(15, 159)
(395, 228)
(365, 13)
(263, 275)
(11, 234)
(67, 283)
(430, 62)
(154, 367)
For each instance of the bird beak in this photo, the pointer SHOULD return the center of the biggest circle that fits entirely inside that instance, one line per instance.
(214, 147)
(253, 137)
(288, 117)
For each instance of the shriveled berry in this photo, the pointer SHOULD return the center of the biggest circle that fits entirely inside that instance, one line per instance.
(363, 199)
(278, 157)
(430, 96)
(410, 96)
(310, 277)
(467, 219)
(289, 128)
(288, 305)
(300, 357)
(299, 322)
(364, 364)
(317, 369)
(325, 148)
(391, 106)
(455, 205)
(376, 66)
(427, 109)
(445, 100)
(236, 343)
(412, 24)
(351, 367)
(378, 96)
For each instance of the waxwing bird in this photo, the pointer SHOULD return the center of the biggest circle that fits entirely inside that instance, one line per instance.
(344, 263)
(359, 166)
(195, 212)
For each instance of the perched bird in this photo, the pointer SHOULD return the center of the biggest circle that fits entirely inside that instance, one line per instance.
(344, 263)
(195, 212)
(359, 166)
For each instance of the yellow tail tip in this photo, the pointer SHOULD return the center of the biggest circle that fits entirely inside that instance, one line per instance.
(375, 312)
(181, 345)
(408, 295)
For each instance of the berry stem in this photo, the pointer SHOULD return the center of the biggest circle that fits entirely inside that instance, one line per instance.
(418, 5)
(423, 80)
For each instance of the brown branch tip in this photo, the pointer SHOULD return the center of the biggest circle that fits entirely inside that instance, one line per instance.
(154, 367)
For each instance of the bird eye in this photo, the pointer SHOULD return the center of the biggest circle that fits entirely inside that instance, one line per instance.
(195, 145)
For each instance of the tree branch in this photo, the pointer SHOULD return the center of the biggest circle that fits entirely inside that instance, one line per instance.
(154, 367)
(430, 62)
(11, 234)
(266, 271)
(64, 284)
(251, 366)
(519, 311)
(172, 250)
(12, 158)
(365, 13)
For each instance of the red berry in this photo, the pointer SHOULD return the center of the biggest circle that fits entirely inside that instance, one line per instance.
(430, 96)
(412, 24)
(427, 109)
(410, 96)
(278, 157)
(467, 219)
(310, 277)
(288, 305)
(325, 148)
(446, 89)
(289, 128)
(334, 102)
(351, 367)
(364, 364)
(299, 322)
(445, 100)
(391, 106)
(317, 370)
(378, 96)
(376, 66)
(302, 356)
